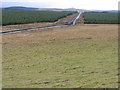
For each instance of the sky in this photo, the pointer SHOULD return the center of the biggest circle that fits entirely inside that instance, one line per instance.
(79, 4)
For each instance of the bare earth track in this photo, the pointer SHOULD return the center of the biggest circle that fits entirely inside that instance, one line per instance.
(70, 20)
(33, 25)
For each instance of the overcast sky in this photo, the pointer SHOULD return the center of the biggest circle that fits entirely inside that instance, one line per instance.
(81, 4)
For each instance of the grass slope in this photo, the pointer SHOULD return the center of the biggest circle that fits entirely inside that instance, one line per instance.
(74, 57)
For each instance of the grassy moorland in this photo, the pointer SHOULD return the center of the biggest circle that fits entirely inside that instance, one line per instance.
(12, 17)
(100, 18)
(73, 57)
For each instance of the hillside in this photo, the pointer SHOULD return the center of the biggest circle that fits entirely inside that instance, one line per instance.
(20, 8)
(48, 9)
(80, 56)
(12, 17)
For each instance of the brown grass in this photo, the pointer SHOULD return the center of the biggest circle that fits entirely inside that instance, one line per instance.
(80, 56)
(92, 31)
(64, 20)
(21, 26)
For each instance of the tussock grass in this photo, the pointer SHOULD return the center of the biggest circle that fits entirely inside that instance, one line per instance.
(75, 57)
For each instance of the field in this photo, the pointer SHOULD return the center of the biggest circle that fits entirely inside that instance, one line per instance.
(80, 56)
(12, 17)
(100, 18)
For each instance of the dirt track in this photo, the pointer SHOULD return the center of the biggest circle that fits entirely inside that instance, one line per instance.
(33, 25)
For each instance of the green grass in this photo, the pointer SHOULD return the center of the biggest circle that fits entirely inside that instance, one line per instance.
(11, 17)
(100, 18)
(78, 63)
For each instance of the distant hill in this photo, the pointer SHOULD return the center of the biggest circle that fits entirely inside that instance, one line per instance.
(48, 9)
(56, 9)
(113, 11)
(59, 9)
(20, 8)
(106, 11)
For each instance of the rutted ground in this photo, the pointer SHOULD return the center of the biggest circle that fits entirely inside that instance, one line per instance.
(75, 56)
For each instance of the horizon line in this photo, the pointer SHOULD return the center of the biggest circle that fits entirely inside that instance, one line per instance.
(56, 8)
